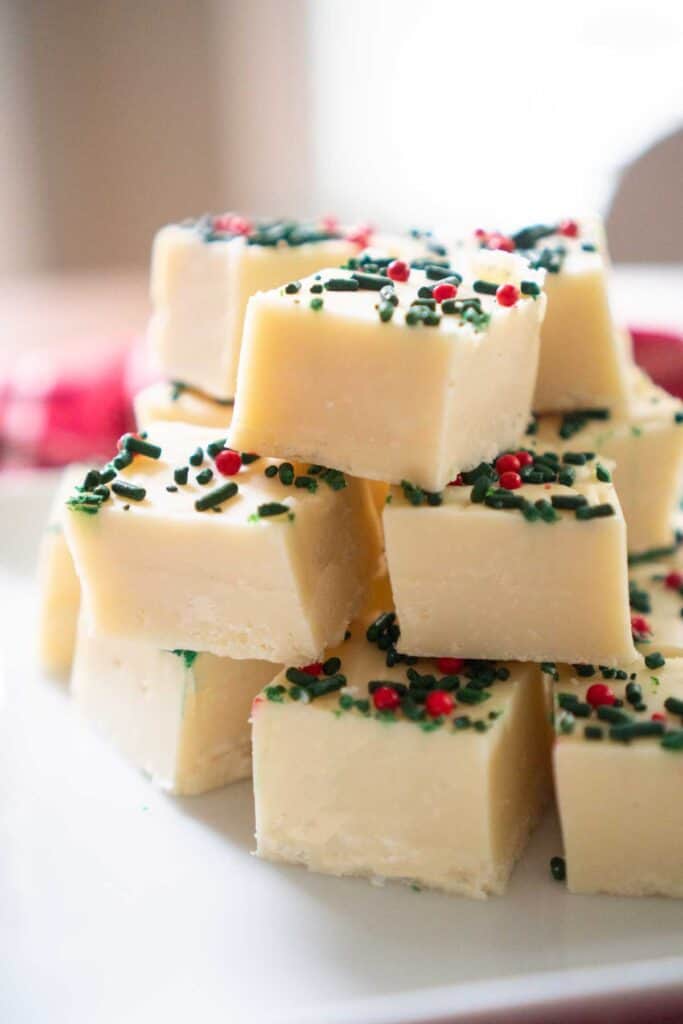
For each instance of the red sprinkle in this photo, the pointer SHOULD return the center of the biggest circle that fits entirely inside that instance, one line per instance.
(498, 241)
(439, 702)
(507, 463)
(481, 234)
(639, 624)
(398, 270)
(458, 482)
(360, 236)
(314, 669)
(443, 291)
(507, 295)
(228, 462)
(450, 666)
(658, 716)
(568, 228)
(222, 222)
(510, 481)
(239, 225)
(385, 698)
(330, 223)
(599, 693)
(525, 458)
(673, 580)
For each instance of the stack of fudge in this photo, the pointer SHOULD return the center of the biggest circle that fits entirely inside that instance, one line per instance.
(370, 543)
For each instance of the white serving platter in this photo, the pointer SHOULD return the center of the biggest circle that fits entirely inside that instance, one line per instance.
(119, 903)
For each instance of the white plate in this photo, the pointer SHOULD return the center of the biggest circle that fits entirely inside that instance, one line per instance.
(119, 903)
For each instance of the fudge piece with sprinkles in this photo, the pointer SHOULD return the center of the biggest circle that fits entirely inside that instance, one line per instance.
(390, 370)
(656, 595)
(523, 559)
(583, 361)
(204, 271)
(182, 542)
(646, 444)
(431, 772)
(171, 401)
(59, 592)
(180, 716)
(618, 765)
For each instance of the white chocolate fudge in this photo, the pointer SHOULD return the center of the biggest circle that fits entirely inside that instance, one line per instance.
(618, 764)
(524, 564)
(379, 378)
(583, 361)
(277, 575)
(432, 772)
(59, 592)
(180, 716)
(204, 271)
(646, 445)
(656, 595)
(171, 402)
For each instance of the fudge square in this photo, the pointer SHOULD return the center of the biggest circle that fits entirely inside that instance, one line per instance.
(522, 559)
(169, 401)
(646, 445)
(432, 772)
(59, 592)
(180, 716)
(204, 271)
(385, 373)
(584, 360)
(618, 765)
(277, 575)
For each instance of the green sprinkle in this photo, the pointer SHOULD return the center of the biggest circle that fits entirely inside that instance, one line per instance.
(480, 489)
(215, 447)
(189, 657)
(386, 311)
(558, 868)
(530, 288)
(595, 511)
(673, 740)
(342, 284)
(436, 273)
(205, 476)
(216, 497)
(634, 693)
(331, 666)
(529, 237)
(316, 289)
(131, 443)
(316, 304)
(197, 457)
(615, 716)
(574, 458)
(308, 483)
(485, 287)
(655, 660)
(122, 460)
(550, 669)
(470, 695)
(635, 730)
(130, 491)
(593, 732)
(85, 501)
(271, 508)
(603, 475)
(674, 705)
(270, 471)
(371, 282)
(568, 501)
(180, 475)
(249, 457)
(293, 287)
(275, 693)
(286, 474)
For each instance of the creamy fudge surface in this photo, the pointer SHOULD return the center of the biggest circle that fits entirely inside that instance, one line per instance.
(583, 359)
(277, 575)
(646, 445)
(59, 592)
(178, 403)
(203, 273)
(392, 379)
(506, 562)
(427, 771)
(180, 716)
(618, 764)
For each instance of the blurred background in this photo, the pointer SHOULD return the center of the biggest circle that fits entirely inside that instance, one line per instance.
(120, 115)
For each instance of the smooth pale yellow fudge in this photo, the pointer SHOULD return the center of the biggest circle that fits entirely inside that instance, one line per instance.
(59, 592)
(618, 775)
(531, 574)
(204, 271)
(646, 445)
(277, 575)
(583, 361)
(169, 401)
(656, 594)
(344, 368)
(432, 773)
(181, 716)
